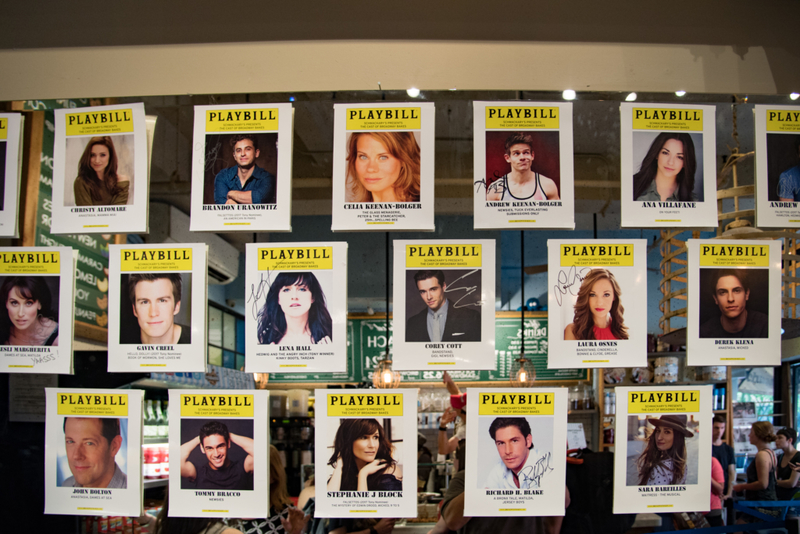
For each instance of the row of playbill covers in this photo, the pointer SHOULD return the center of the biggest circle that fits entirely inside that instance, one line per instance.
(383, 171)
(366, 452)
(444, 305)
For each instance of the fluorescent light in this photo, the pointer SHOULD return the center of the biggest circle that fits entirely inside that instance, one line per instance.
(413, 92)
(631, 97)
(794, 96)
(680, 93)
(568, 94)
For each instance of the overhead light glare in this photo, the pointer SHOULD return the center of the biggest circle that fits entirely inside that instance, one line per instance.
(568, 94)
(680, 93)
(794, 96)
(413, 92)
(631, 97)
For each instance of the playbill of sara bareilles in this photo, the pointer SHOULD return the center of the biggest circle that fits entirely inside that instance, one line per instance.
(10, 171)
(444, 304)
(157, 307)
(366, 453)
(777, 166)
(93, 452)
(517, 453)
(218, 453)
(662, 460)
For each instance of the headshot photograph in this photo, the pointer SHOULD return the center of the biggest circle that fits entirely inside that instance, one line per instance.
(522, 165)
(217, 454)
(515, 452)
(31, 310)
(662, 450)
(93, 453)
(783, 167)
(599, 313)
(443, 305)
(295, 311)
(383, 167)
(734, 303)
(240, 168)
(159, 304)
(99, 171)
(365, 455)
(667, 166)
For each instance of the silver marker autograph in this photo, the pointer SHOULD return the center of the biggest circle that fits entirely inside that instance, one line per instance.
(468, 290)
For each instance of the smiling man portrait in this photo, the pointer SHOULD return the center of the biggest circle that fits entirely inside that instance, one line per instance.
(156, 300)
(441, 319)
(514, 442)
(245, 182)
(218, 470)
(92, 444)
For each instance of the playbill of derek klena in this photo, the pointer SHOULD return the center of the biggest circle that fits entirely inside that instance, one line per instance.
(218, 453)
(366, 451)
(37, 285)
(662, 461)
(100, 174)
(516, 458)
(10, 170)
(93, 452)
(157, 307)
(777, 166)
(242, 168)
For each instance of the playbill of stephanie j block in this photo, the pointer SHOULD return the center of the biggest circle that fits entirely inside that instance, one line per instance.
(383, 166)
(242, 168)
(777, 166)
(100, 178)
(93, 452)
(596, 293)
(37, 285)
(734, 302)
(366, 450)
(157, 307)
(668, 165)
(662, 461)
(516, 458)
(219, 459)
(444, 304)
(10, 170)
(523, 165)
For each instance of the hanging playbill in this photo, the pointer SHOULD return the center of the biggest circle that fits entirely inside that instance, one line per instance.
(383, 166)
(668, 165)
(10, 170)
(242, 168)
(296, 307)
(597, 290)
(734, 302)
(777, 166)
(93, 452)
(157, 307)
(100, 179)
(366, 451)
(523, 174)
(662, 461)
(444, 304)
(516, 458)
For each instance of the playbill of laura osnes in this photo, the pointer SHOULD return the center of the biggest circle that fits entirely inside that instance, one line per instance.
(10, 170)
(93, 452)
(777, 166)
(296, 307)
(516, 458)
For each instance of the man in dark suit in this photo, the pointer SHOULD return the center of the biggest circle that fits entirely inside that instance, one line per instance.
(441, 320)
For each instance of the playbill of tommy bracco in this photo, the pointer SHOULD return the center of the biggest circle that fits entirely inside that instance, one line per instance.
(296, 307)
(100, 178)
(516, 461)
(219, 459)
(596, 291)
(734, 302)
(383, 166)
(668, 165)
(523, 175)
(662, 461)
(242, 168)
(444, 304)
(777, 166)
(93, 452)
(366, 450)
(37, 285)
(10, 170)
(157, 307)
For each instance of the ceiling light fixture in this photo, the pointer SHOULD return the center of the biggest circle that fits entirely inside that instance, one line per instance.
(413, 92)
(568, 94)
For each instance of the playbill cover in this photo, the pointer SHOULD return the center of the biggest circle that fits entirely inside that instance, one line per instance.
(383, 166)
(591, 286)
(157, 308)
(242, 168)
(219, 457)
(668, 165)
(523, 165)
(777, 166)
(517, 453)
(37, 285)
(296, 307)
(366, 451)
(100, 179)
(444, 304)
(734, 302)
(10, 169)
(93, 452)
(662, 459)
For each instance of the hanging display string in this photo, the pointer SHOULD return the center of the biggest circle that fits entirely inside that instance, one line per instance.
(522, 289)
(387, 295)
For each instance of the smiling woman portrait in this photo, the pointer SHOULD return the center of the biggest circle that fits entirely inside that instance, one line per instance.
(31, 318)
(382, 167)
(98, 183)
(667, 171)
(598, 309)
(295, 312)
(362, 458)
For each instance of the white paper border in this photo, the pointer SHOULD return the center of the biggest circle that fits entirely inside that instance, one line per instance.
(13, 170)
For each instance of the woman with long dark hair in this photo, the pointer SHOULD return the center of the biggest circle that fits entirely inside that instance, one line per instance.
(383, 167)
(598, 310)
(761, 481)
(31, 319)
(98, 183)
(663, 461)
(667, 170)
(295, 312)
(362, 458)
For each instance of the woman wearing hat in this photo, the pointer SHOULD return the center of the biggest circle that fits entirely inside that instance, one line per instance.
(663, 461)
